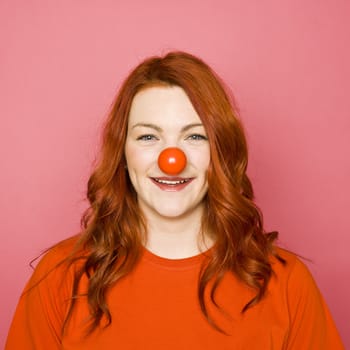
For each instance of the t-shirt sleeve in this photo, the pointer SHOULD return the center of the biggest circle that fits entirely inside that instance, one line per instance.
(42, 308)
(311, 324)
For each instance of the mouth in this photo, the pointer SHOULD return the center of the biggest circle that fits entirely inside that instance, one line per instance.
(170, 183)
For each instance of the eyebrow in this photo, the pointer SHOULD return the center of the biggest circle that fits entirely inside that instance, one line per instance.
(157, 128)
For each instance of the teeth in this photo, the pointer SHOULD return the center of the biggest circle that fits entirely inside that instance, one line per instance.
(169, 182)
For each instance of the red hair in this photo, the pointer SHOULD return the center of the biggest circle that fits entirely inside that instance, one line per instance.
(112, 227)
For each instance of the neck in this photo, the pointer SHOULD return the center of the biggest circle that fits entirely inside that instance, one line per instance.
(176, 238)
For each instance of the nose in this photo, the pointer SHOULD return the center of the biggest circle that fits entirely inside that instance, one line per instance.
(172, 160)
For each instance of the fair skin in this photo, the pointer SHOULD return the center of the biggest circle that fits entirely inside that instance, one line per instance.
(162, 117)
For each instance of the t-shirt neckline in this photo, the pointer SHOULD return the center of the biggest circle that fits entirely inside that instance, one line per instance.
(176, 264)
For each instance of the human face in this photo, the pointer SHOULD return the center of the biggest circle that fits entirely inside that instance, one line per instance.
(162, 117)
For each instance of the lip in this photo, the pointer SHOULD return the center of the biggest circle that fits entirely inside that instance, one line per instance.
(171, 184)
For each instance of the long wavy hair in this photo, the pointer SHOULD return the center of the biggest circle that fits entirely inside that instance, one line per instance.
(113, 226)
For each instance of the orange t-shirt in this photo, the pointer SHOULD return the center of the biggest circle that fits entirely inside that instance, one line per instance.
(156, 307)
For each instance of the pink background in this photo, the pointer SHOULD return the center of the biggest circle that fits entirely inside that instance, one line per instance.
(287, 63)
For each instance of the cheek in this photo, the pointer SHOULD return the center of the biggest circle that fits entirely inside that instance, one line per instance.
(138, 160)
(201, 159)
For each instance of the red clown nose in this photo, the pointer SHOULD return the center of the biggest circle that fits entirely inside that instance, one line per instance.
(172, 161)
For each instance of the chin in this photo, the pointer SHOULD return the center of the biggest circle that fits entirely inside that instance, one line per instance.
(175, 213)
(169, 213)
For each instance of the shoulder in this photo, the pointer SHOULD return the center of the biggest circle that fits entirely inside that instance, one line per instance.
(58, 253)
(292, 277)
(56, 262)
(289, 264)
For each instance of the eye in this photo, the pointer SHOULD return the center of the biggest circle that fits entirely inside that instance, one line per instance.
(146, 137)
(197, 137)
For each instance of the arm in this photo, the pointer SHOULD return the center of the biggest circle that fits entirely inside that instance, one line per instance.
(311, 325)
(41, 309)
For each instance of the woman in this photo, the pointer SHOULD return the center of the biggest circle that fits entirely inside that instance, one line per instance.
(172, 254)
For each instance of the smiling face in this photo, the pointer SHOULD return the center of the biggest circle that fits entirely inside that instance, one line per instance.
(163, 117)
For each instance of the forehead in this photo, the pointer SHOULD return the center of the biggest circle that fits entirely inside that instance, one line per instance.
(159, 103)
